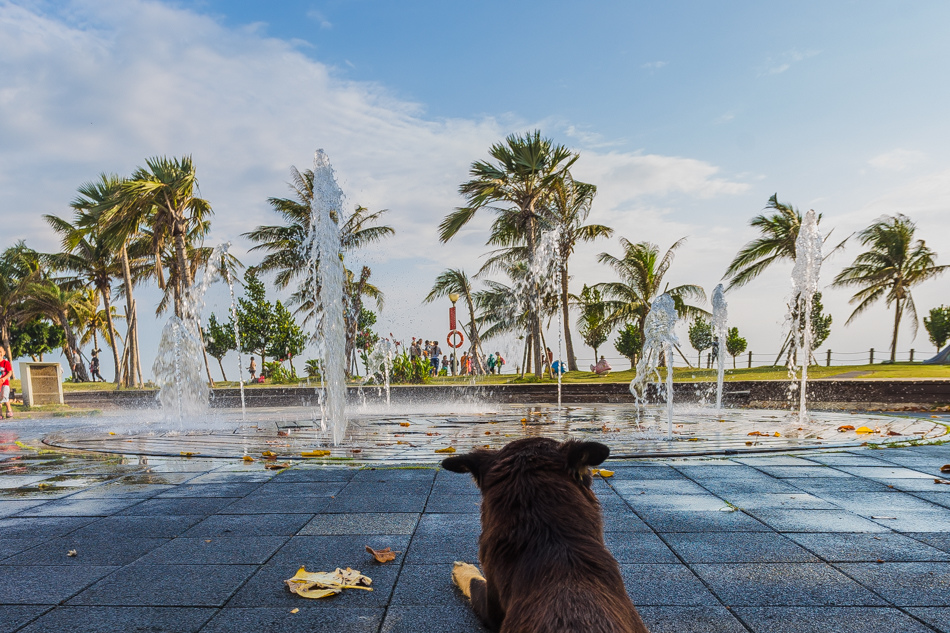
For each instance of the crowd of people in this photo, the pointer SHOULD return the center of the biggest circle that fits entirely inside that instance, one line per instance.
(466, 365)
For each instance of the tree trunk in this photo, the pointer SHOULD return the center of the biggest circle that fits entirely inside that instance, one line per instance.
(5, 335)
(115, 350)
(184, 272)
(897, 322)
(76, 367)
(525, 356)
(133, 364)
(223, 375)
(566, 316)
(201, 337)
(535, 301)
(475, 340)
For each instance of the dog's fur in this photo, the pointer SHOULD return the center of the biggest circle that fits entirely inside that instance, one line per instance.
(542, 545)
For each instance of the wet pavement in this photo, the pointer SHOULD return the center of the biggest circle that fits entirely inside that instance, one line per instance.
(846, 541)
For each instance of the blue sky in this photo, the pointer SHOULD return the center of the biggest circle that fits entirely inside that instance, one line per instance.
(688, 116)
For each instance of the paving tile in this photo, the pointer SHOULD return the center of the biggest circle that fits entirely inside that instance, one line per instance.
(658, 486)
(11, 546)
(868, 504)
(275, 504)
(815, 520)
(664, 585)
(879, 473)
(401, 503)
(322, 553)
(913, 485)
(122, 620)
(693, 503)
(91, 549)
(257, 620)
(941, 499)
(299, 474)
(845, 459)
(435, 524)
(645, 473)
(223, 476)
(690, 619)
(708, 521)
(783, 584)
(460, 504)
(363, 523)
(427, 585)
(703, 473)
(436, 619)
(904, 584)
(176, 507)
(774, 460)
(798, 500)
(141, 526)
(624, 521)
(211, 490)
(812, 472)
(246, 550)
(8, 481)
(387, 475)
(267, 588)
(937, 520)
(640, 547)
(32, 585)
(727, 487)
(819, 487)
(937, 617)
(868, 547)
(166, 585)
(443, 548)
(239, 525)
(41, 527)
(386, 488)
(736, 547)
(8, 508)
(302, 490)
(823, 619)
(940, 540)
(12, 617)
(153, 479)
(115, 490)
(79, 508)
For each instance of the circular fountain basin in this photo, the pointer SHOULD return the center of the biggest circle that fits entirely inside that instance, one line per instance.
(418, 435)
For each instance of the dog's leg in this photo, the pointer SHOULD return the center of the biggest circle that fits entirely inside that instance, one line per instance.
(463, 574)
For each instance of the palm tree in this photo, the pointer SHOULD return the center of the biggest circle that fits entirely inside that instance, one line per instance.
(95, 266)
(893, 264)
(641, 271)
(118, 223)
(522, 177)
(163, 196)
(454, 280)
(779, 232)
(20, 267)
(63, 307)
(571, 206)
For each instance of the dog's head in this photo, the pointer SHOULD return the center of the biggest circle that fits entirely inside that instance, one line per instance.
(572, 458)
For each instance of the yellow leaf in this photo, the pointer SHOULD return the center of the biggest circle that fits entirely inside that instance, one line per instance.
(696, 439)
(314, 453)
(447, 449)
(323, 584)
(186, 454)
(248, 458)
(777, 434)
(403, 424)
(276, 466)
(603, 472)
(269, 455)
(863, 430)
(295, 610)
(111, 432)
(71, 553)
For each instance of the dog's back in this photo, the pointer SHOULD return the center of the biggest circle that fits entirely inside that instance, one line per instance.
(546, 566)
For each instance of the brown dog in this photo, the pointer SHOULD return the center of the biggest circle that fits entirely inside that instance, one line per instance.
(542, 544)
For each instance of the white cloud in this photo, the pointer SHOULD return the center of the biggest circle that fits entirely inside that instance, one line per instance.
(897, 160)
(782, 62)
(150, 79)
(654, 65)
(319, 18)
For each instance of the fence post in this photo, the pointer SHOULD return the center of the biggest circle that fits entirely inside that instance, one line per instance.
(872, 357)
(828, 361)
(912, 355)
(750, 360)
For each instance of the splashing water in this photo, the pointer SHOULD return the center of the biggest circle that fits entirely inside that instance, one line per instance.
(178, 367)
(720, 323)
(226, 271)
(380, 361)
(327, 269)
(804, 286)
(659, 340)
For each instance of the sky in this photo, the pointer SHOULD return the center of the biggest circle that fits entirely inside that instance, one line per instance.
(687, 115)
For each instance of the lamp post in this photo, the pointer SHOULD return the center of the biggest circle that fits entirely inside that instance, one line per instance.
(453, 297)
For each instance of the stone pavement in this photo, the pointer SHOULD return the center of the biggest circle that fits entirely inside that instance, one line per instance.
(852, 541)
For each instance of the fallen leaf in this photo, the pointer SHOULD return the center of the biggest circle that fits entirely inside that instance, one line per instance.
(382, 555)
(403, 424)
(845, 427)
(356, 450)
(323, 584)
(277, 466)
(879, 561)
(431, 434)
(777, 434)
(295, 610)
(487, 432)
(748, 443)
(111, 432)
(758, 434)
(892, 433)
(863, 430)
(945, 468)
(942, 481)
(269, 454)
(447, 449)
(248, 458)
(693, 439)
(603, 472)
(314, 453)
(71, 553)
(186, 454)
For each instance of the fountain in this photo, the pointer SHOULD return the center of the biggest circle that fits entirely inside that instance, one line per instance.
(804, 286)
(658, 343)
(380, 361)
(720, 324)
(226, 271)
(326, 265)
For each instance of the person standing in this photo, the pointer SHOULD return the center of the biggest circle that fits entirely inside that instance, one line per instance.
(94, 367)
(6, 373)
(491, 363)
(252, 368)
(499, 362)
(434, 355)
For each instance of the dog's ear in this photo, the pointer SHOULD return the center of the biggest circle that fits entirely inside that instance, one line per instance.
(581, 455)
(475, 463)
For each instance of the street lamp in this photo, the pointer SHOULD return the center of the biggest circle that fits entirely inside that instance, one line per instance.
(453, 297)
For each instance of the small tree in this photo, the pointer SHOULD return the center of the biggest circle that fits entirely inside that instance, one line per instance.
(820, 322)
(219, 340)
(35, 338)
(255, 317)
(735, 344)
(287, 338)
(700, 337)
(366, 338)
(591, 323)
(630, 343)
(938, 326)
